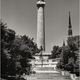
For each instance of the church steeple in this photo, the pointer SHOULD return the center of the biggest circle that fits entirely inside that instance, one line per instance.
(63, 43)
(70, 27)
(70, 21)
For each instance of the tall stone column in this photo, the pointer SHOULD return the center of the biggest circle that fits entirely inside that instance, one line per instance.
(40, 24)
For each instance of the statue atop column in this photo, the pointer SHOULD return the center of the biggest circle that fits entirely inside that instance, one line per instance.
(40, 0)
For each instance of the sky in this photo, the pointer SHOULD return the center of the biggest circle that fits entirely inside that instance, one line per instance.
(21, 16)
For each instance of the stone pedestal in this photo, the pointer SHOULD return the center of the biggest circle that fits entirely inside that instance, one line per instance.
(44, 65)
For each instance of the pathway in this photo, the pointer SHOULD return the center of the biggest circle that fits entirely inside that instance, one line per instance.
(47, 76)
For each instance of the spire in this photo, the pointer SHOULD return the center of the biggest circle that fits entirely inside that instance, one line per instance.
(70, 27)
(63, 43)
(63, 46)
(69, 20)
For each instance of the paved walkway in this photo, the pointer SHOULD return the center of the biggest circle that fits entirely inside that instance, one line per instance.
(47, 76)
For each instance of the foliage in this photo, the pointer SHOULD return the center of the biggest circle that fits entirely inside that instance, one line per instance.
(23, 49)
(56, 52)
(15, 52)
(70, 56)
(6, 42)
(74, 42)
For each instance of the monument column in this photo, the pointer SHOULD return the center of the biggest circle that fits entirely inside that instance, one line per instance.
(40, 24)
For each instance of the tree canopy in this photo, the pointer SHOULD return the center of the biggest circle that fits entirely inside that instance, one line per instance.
(69, 59)
(16, 50)
(56, 51)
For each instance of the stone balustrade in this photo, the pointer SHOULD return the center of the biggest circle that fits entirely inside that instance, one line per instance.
(72, 76)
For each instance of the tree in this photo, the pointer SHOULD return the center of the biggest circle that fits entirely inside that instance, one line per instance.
(74, 42)
(15, 53)
(64, 56)
(70, 55)
(7, 38)
(24, 48)
(56, 52)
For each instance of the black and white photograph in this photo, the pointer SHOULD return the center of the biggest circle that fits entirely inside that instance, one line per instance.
(40, 40)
